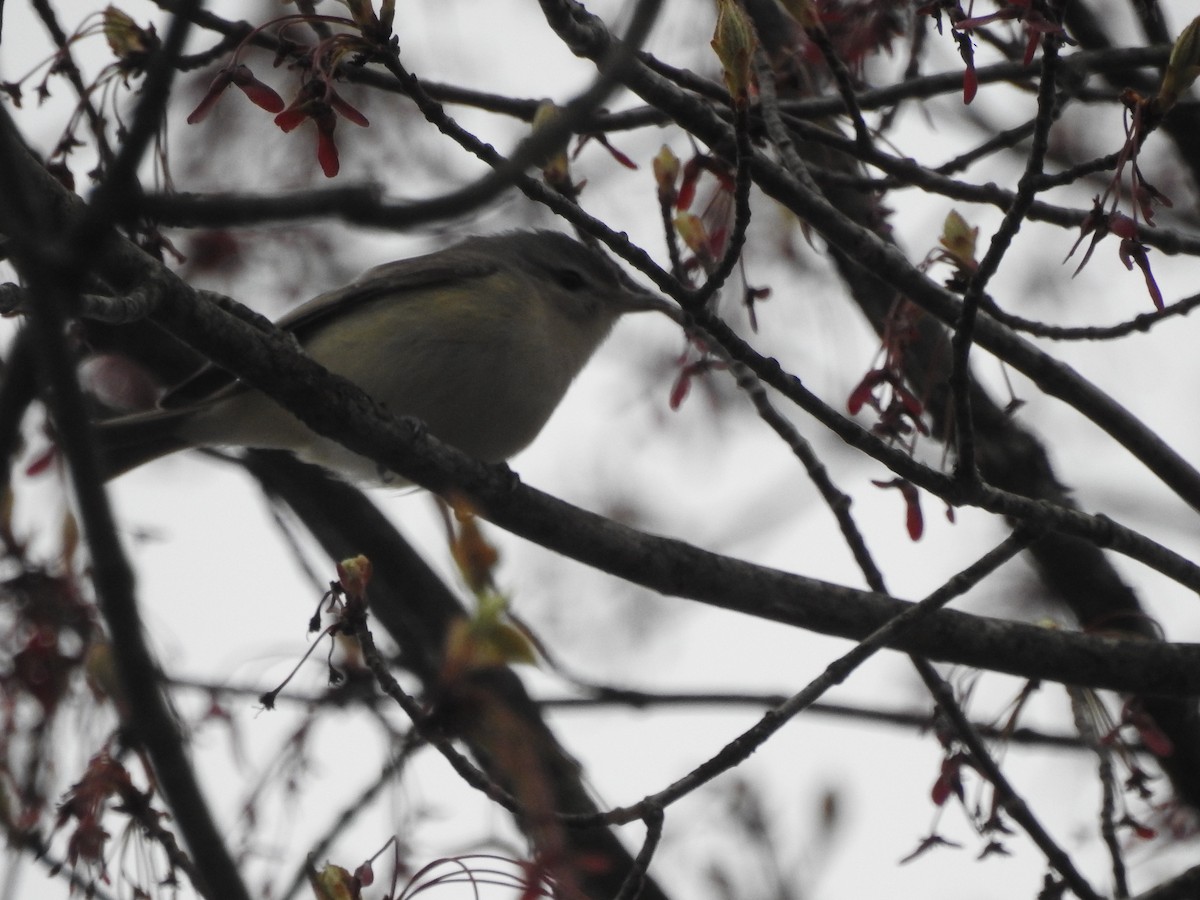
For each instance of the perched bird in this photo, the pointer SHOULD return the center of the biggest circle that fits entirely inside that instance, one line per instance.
(480, 341)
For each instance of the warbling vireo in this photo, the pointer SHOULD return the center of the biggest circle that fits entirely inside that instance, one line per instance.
(480, 341)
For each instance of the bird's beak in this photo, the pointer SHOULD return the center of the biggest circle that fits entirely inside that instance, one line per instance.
(637, 299)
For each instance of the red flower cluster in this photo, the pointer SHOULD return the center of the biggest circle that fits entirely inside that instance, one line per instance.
(320, 65)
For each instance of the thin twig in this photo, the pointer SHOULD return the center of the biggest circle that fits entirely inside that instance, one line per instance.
(1012, 802)
(967, 470)
(745, 744)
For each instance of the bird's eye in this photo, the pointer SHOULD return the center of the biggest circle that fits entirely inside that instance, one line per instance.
(570, 279)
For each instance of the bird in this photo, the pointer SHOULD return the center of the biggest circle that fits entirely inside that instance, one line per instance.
(479, 341)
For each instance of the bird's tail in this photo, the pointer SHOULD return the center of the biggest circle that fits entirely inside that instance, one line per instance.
(131, 441)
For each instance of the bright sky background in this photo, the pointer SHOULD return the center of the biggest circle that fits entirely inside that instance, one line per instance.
(224, 600)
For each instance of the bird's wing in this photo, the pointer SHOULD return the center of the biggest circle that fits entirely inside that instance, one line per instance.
(396, 280)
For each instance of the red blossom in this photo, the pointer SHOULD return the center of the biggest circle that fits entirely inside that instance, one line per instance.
(1147, 196)
(327, 152)
(210, 98)
(345, 110)
(42, 462)
(291, 118)
(622, 158)
(1144, 832)
(864, 391)
(970, 84)
(679, 390)
(914, 521)
(692, 170)
(1122, 226)
(949, 781)
(259, 93)
(104, 779)
(1034, 23)
(1130, 251)
(857, 33)
(970, 79)
(1155, 739)
(1095, 223)
(1133, 253)
(900, 410)
(365, 874)
(1142, 116)
(318, 101)
(40, 669)
(240, 76)
(683, 381)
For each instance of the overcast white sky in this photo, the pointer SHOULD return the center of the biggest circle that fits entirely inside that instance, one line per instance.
(224, 599)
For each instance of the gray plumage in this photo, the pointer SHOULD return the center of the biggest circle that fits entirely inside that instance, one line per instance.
(480, 341)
